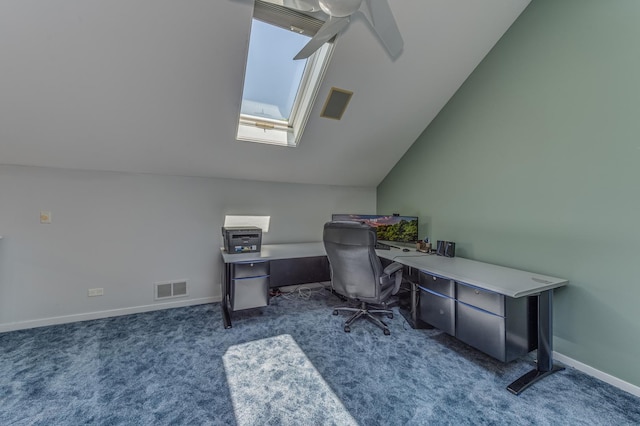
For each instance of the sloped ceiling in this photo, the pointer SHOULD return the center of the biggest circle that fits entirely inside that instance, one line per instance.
(154, 86)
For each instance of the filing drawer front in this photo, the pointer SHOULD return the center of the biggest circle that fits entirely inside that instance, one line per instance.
(483, 299)
(249, 293)
(252, 269)
(439, 285)
(439, 311)
(482, 330)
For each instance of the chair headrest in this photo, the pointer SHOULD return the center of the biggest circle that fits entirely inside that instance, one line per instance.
(349, 233)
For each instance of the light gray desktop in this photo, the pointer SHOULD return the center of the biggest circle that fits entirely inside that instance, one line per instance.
(484, 305)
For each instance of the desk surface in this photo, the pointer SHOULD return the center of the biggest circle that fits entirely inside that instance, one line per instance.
(295, 250)
(276, 251)
(507, 281)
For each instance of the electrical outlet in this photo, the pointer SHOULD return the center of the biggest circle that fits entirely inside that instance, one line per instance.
(95, 292)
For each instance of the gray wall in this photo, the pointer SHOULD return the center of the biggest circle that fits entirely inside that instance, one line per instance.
(123, 232)
(535, 164)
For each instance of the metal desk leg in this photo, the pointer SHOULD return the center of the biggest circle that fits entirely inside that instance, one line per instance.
(411, 316)
(414, 304)
(545, 365)
(226, 288)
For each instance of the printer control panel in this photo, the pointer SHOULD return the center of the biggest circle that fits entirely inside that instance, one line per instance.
(242, 239)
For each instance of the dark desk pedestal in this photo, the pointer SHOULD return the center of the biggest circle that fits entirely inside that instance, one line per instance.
(246, 283)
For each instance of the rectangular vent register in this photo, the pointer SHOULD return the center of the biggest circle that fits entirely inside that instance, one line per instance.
(170, 289)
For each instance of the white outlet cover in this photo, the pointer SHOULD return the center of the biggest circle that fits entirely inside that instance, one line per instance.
(92, 292)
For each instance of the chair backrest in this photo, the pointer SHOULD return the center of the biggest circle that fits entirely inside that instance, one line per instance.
(355, 266)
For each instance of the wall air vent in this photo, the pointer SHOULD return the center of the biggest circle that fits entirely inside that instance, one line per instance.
(336, 103)
(170, 289)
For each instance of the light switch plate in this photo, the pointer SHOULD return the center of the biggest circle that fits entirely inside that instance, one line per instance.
(45, 217)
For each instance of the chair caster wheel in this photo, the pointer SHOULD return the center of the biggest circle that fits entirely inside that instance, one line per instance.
(387, 332)
(390, 316)
(347, 329)
(335, 312)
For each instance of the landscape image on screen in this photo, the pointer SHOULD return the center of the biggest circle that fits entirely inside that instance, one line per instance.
(388, 228)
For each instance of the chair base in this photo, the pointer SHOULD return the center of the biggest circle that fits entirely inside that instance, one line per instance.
(365, 312)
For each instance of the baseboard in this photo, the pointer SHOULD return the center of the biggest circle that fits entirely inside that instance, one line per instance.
(600, 375)
(65, 319)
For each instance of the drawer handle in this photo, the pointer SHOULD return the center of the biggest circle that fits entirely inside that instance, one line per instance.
(251, 264)
(434, 278)
(477, 292)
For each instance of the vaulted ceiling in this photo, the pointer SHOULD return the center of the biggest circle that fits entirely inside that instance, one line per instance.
(154, 86)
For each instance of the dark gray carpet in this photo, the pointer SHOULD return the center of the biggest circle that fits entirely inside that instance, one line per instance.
(289, 363)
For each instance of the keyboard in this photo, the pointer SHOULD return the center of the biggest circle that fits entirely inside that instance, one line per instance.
(382, 246)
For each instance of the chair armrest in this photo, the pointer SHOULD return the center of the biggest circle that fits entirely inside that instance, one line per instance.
(393, 268)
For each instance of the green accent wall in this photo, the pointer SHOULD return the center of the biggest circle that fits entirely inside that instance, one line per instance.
(535, 164)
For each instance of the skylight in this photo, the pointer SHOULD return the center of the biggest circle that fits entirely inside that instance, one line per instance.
(272, 77)
(279, 92)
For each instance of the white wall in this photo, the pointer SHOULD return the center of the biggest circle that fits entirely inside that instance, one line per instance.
(123, 232)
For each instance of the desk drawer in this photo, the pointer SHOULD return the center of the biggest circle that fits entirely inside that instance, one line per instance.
(249, 293)
(437, 284)
(482, 330)
(250, 269)
(483, 299)
(438, 311)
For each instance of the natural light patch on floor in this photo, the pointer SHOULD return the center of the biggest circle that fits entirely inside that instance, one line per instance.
(271, 381)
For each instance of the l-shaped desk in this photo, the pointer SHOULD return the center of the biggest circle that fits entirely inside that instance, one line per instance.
(482, 294)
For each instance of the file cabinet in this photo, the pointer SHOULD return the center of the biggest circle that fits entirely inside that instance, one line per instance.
(249, 285)
(248, 277)
(437, 302)
(500, 326)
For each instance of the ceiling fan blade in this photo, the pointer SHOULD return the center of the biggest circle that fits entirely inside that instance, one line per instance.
(384, 24)
(301, 5)
(326, 32)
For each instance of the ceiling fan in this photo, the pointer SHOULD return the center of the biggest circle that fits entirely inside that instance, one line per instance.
(377, 12)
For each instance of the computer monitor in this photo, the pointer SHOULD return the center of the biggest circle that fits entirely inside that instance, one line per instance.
(388, 227)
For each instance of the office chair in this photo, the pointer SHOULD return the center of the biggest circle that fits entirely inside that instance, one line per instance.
(357, 273)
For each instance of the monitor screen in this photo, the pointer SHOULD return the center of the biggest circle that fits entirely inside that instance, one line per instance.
(388, 227)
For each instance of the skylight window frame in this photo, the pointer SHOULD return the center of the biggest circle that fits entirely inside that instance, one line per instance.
(289, 132)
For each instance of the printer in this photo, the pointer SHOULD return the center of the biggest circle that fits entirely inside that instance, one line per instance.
(242, 239)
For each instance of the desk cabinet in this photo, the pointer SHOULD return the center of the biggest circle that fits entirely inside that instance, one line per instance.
(497, 325)
(500, 326)
(249, 285)
(248, 276)
(437, 302)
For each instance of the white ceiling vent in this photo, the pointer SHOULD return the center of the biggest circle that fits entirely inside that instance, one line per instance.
(170, 289)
